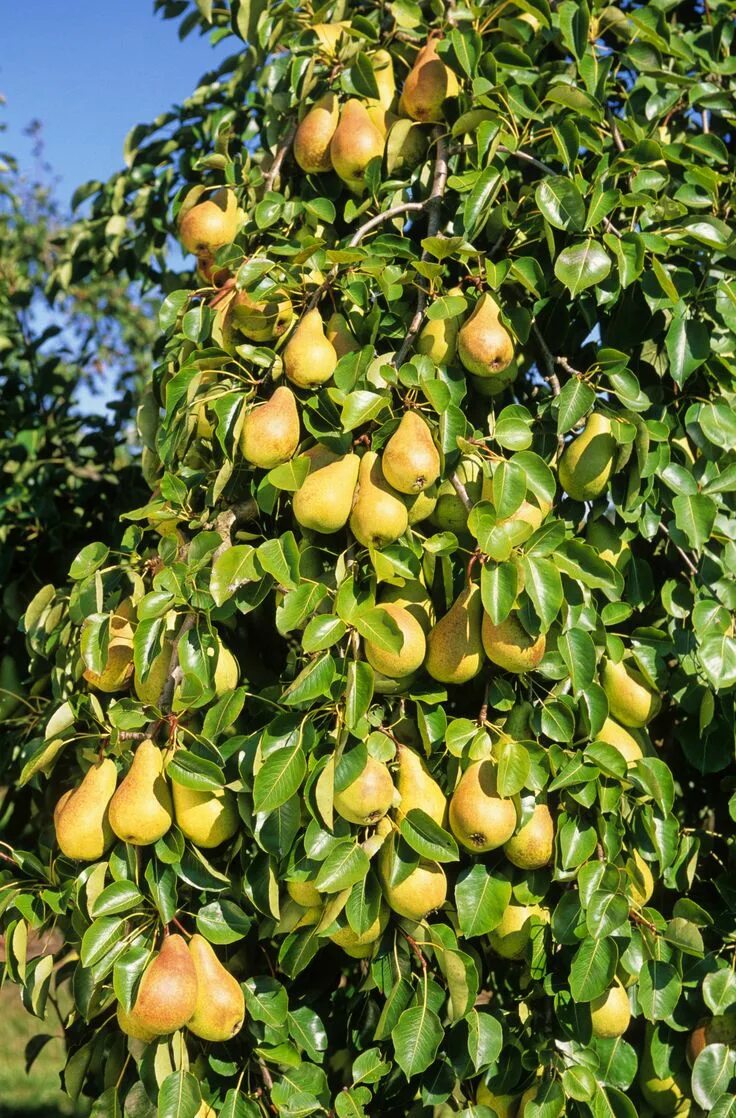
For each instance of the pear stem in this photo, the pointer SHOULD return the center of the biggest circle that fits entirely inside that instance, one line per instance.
(181, 927)
(416, 949)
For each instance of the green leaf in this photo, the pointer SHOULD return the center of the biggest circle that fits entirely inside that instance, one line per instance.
(578, 651)
(593, 967)
(278, 778)
(120, 896)
(345, 865)
(179, 1096)
(719, 990)
(377, 626)
(416, 1038)
(481, 898)
(89, 560)
(561, 203)
(543, 584)
(363, 78)
(605, 913)
(509, 488)
(427, 837)
(513, 767)
(478, 203)
(688, 345)
(712, 1074)
(312, 683)
(582, 266)
(658, 990)
(575, 400)
(231, 570)
(223, 921)
(695, 516)
(498, 589)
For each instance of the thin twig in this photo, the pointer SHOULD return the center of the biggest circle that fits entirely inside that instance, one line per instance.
(272, 174)
(683, 554)
(613, 124)
(549, 361)
(461, 491)
(167, 692)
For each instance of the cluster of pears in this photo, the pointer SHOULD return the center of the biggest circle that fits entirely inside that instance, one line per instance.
(481, 342)
(140, 810)
(185, 984)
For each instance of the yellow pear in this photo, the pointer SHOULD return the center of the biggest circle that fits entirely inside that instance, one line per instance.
(481, 819)
(503, 1106)
(227, 672)
(410, 657)
(118, 668)
(606, 539)
(483, 343)
(510, 646)
(304, 893)
(417, 788)
(209, 225)
(665, 1096)
(510, 937)
(140, 812)
(220, 1007)
(631, 700)
(81, 819)
(413, 597)
(422, 506)
(428, 85)
(532, 846)
(314, 134)
(454, 645)
(421, 892)
(586, 463)
(129, 1025)
(368, 797)
(309, 358)
(379, 515)
(383, 71)
(641, 884)
(620, 739)
(450, 514)
(361, 946)
(610, 1013)
(339, 333)
(324, 501)
(206, 817)
(355, 143)
(261, 320)
(438, 337)
(270, 432)
(167, 995)
(411, 461)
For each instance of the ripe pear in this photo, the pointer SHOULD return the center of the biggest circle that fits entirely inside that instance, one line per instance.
(379, 109)
(641, 885)
(422, 506)
(118, 668)
(304, 893)
(361, 946)
(81, 821)
(410, 657)
(220, 1008)
(427, 86)
(454, 646)
(309, 358)
(503, 1106)
(489, 387)
(129, 1025)
(510, 646)
(324, 501)
(720, 1029)
(421, 892)
(531, 847)
(206, 817)
(261, 320)
(607, 541)
(665, 1096)
(450, 514)
(140, 811)
(587, 462)
(369, 797)
(411, 461)
(481, 819)
(417, 788)
(620, 739)
(483, 343)
(167, 995)
(209, 225)
(314, 134)
(339, 333)
(610, 1013)
(509, 939)
(413, 597)
(438, 337)
(631, 700)
(379, 515)
(270, 432)
(356, 141)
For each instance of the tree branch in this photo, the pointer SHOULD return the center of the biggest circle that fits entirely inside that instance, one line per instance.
(461, 491)
(549, 361)
(166, 697)
(683, 554)
(226, 521)
(272, 174)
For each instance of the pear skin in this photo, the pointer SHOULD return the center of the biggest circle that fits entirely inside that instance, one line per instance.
(417, 788)
(422, 506)
(510, 937)
(428, 85)
(220, 1007)
(363, 945)
(481, 819)
(450, 513)
(719, 1029)
(587, 462)
(261, 320)
(410, 657)
(270, 432)
(355, 143)
(420, 893)
(532, 846)
(339, 333)
(620, 739)
(413, 597)
(304, 893)
(140, 811)
(129, 1025)
(454, 646)
(503, 1106)
(509, 645)
(309, 358)
(379, 515)
(383, 71)
(483, 343)
(324, 501)
(314, 135)
(206, 817)
(664, 1096)
(631, 700)
(83, 830)
(167, 995)
(369, 797)
(410, 460)
(610, 1013)
(438, 337)
(118, 668)
(209, 225)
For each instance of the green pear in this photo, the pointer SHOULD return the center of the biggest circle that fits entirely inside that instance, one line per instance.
(454, 645)
(509, 645)
(607, 540)
(421, 892)
(422, 506)
(206, 817)
(118, 668)
(140, 811)
(379, 515)
(665, 1096)
(450, 514)
(410, 657)
(167, 995)
(355, 143)
(81, 820)
(220, 1006)
(481, 819)
(620, 739)
(309, 358)
(411, 461)
(417, 788)
(610, 1013)
(324, 501)
(631, 700)
(368, 797)
(587, 462)
(361, 945)
(413, 597)
(503, 1106)
(510, 937)
(339, 333)
(261, 320)
(314, 135)
(438, 337)
(532, 846)
(428, 85)
(490, 387)
(304, 893)
(483, 343)
(379, 109)
(270, 432)
(208, 225)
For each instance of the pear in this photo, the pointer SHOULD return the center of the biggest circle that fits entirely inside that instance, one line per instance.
(379, 515)
(587, 462)
(220, 1008)
(427, 86)
(206, 817)
(510, 937)
(422, 506)
(665, 1096)
(129, 1025)
(620, 739)
(610, 1013)
(454, 645)
(531, 847)
(81, 821)
(383, 71)
(355, 143)
(489, 387)
(503, 1106)
(410, 657)
(309, 358)
(314, 134)
(167, 995)
(631, 700)
(206, 1111)
(450, 514)
(227, 672)
(118, 668)
(304, 893)
(720, 1029)
(140, 812)
(270, 432)
(481, 819)
(368, 797)
(209, 225)
(607, 541)
(417, 788)
(509, 645)
(324, 501)
(483, 343)
(413, 597)
(261, 320)
(641, 885)
(411, 461)
(421, 892)
(360, 946)
(339, 333)
(438, 337)
(532, 511)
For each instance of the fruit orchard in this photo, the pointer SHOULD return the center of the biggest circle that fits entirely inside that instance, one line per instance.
(384, 763)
